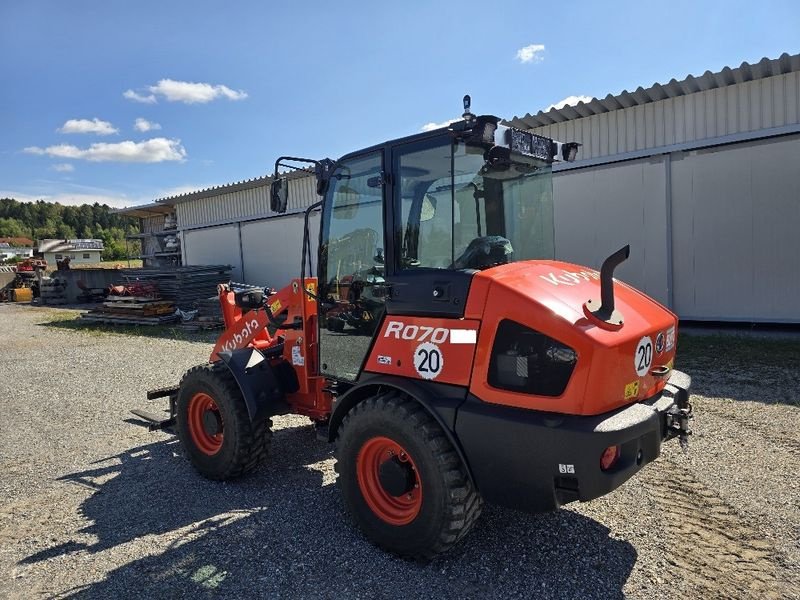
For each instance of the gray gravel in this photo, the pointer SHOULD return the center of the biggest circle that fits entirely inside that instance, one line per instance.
(93, 506)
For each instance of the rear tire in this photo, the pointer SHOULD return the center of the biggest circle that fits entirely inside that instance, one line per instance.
(421, 505)
(214, 426)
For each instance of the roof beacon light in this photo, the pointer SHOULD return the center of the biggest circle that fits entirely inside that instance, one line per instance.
(468, 116)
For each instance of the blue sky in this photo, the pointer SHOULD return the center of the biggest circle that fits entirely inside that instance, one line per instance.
(221, 89)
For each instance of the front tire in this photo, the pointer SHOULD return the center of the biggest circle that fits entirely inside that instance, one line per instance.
(214, 426)
(401, 479)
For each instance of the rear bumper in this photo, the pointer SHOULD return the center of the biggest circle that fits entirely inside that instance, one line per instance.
(536, 461)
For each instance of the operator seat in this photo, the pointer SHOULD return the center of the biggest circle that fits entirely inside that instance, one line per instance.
(484, 252)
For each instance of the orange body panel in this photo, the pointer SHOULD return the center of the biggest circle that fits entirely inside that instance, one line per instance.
(548, 296)
(300, 345)
(425, 348)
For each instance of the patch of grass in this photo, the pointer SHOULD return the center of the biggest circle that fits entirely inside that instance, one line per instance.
(60, 314)
(73, 323)
(110, 264)
(742, 367)
(729, 351)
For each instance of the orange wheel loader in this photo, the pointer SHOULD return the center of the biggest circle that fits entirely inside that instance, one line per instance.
(438, 345)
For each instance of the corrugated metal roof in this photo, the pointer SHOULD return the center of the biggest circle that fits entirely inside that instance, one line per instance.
(228, 188)
(766, 67)
(217, 190)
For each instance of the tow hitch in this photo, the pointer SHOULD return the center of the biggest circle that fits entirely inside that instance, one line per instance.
(677, 421)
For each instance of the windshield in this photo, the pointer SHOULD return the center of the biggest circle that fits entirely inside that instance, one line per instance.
(462, 211)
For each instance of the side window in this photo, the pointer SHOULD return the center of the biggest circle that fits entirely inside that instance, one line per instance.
(352, 282)
(426, 208)
(442, 205)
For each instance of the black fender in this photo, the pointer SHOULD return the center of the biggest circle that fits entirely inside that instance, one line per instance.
(441, 401)
(260, 384)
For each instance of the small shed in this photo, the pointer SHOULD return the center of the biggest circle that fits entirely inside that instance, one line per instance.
(85, 251)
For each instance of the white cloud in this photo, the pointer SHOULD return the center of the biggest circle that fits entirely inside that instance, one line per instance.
(144, 125)
(63, 168)
(149, 151)
(191, 93)
(185, 91)
(88, 126)
(568, 101)
(68, 199)
(431, 126)
(131, 95)
(532, 53)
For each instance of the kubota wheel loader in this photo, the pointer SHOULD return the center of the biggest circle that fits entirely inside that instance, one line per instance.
(473, 366)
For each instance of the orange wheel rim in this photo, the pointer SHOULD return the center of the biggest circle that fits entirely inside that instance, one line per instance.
(204, 414)
(389, 505)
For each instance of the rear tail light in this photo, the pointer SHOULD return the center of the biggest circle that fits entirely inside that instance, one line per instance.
(609, 457)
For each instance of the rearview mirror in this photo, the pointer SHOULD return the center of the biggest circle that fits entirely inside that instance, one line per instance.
(279, 194)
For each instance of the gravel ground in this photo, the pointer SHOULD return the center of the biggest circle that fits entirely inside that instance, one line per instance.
(92, 506)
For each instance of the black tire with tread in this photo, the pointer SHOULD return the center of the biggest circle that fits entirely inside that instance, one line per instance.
(245, 444)
(451, 503)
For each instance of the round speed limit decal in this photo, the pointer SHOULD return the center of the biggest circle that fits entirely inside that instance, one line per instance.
(428, 360)
(644, 356)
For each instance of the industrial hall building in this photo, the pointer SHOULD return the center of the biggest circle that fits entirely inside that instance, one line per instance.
(699, 176)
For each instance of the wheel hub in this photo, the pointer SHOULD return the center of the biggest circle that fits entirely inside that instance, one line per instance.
(396, 477)
(389, 481)
(212, 422)
(205, 424)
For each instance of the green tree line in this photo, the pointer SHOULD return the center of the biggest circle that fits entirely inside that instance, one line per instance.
(41, 220)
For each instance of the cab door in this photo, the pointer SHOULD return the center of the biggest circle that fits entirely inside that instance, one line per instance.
(352, 285)
(425, 225)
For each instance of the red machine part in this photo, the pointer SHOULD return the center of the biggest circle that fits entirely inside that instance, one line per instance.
(434, 349)
(300, 345)
(548, 296)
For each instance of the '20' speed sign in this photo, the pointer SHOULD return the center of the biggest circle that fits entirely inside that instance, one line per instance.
(644, 356)
(428, 360)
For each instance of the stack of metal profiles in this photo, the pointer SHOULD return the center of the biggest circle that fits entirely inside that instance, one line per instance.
(185, 286)
(132, 310)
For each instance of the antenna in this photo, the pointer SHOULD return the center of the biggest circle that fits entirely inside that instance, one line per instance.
(467, 116)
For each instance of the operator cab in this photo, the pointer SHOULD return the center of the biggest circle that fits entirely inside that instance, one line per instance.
(406, 225)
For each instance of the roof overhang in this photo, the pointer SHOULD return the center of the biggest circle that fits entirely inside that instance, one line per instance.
(143, 211)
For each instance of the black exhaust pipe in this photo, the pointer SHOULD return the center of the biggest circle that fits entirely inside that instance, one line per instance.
(605, 312)
(607, 281)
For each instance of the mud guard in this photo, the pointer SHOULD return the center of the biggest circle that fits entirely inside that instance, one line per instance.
(261, 388)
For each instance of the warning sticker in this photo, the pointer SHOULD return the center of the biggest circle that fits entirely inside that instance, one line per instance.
(428, 360)
(632, 390)
(275, 306)
(670, 342)
(297, 357)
